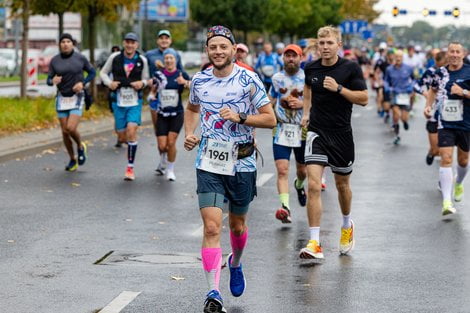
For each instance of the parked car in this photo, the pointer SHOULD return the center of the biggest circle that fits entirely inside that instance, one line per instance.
(4, 72)
(45, 58)
(101, 55)
(191, 59)
(9, 60)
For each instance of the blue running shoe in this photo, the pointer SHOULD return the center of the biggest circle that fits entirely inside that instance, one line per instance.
(214, 303)
(72, 166)
(82, 154)
(237, 279)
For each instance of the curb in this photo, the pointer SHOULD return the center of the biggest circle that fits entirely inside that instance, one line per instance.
(52, 138)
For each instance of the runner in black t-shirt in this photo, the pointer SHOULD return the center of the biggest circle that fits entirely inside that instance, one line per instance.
(383, 98)
(332, 85)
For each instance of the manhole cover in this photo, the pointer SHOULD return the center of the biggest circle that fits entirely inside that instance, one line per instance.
(185, 260)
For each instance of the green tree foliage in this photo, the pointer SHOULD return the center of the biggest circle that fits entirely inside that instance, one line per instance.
(282, 17)
(359, 10)
(321, 13)
(241, 15)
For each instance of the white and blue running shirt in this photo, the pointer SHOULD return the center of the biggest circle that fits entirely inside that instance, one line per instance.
(283, 87)
(241, 91)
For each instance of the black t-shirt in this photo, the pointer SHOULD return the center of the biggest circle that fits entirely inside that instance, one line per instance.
(382, 65)
(331, 111)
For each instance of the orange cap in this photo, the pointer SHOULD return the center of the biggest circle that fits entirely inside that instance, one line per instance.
(294, 48)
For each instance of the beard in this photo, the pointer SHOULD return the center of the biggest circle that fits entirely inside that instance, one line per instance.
(291, 68)
(221, 67)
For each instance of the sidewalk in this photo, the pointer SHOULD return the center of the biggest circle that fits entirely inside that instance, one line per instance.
(31, 142)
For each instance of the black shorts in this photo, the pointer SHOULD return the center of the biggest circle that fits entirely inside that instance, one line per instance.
(335, 149)
(449, 137)
(431, 127)
(387, 96)
(166, 124)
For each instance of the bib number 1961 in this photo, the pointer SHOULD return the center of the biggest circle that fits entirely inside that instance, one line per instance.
(219, 157)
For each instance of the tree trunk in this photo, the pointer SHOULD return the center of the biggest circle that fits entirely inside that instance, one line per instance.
(91, 44)
(61, 24)
(24, 49)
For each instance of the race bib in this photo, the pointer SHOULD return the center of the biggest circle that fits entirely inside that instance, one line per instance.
(267, 70)
(68, 103)
(219, 157)
(289, 135)
(127, 97)
(169, 98)
(402, 99)
(452, 110)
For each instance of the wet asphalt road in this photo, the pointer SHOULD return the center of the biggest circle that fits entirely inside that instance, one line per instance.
(55, 225)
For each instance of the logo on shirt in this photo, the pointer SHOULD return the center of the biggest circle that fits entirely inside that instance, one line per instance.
(205, 94)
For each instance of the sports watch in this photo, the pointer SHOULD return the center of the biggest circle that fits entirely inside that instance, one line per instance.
(465, 92)
(340, 87)
(242, 117)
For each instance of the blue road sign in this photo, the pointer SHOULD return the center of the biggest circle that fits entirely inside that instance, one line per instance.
(353, 26)
(164, 10)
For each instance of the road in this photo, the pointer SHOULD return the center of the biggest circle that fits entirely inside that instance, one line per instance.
(145, 235)
(10, 90)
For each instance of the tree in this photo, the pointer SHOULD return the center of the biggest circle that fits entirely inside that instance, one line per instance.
(321, 13)
(59, 7)
(107, 9)
(22, 9)
(241, 15)
(360, 10)
(285, 16)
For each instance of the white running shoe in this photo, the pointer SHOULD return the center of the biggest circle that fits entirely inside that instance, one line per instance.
(170, 175)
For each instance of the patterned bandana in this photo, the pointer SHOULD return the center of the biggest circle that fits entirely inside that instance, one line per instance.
(220, 30)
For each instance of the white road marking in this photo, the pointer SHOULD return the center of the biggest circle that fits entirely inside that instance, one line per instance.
(199, 232)
(263, 179)
(120, 302)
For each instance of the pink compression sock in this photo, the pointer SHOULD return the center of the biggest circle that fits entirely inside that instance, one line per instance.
(211, 262)
(238, 244)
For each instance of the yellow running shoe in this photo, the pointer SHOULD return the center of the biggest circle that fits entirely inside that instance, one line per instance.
(458, 192)
(312, 251)
(346, 243)
(448, 207)
(72, 166)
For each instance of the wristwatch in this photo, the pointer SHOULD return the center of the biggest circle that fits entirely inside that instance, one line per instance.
(465, 92)
(340, 87)
(242, 117)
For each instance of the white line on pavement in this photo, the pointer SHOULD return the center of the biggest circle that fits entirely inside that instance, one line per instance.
(263, 179)
(198, 232)
(120, 302)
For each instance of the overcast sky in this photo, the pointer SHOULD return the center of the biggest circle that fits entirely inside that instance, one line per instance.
(415, 8)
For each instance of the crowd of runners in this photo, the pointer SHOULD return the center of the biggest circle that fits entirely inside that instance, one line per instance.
(304, 91)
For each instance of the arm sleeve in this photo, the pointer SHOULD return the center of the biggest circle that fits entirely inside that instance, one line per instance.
(50, 75)
(145, 70)
(90, 70)
(106, 69)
